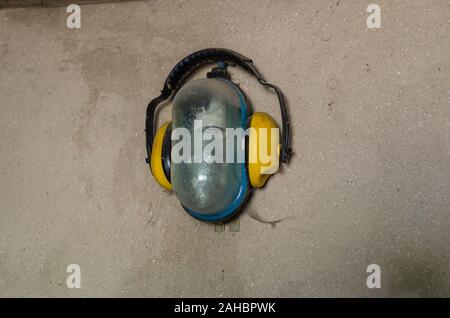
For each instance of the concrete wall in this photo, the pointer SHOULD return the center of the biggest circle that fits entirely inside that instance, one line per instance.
(369, 181)
(51, 3)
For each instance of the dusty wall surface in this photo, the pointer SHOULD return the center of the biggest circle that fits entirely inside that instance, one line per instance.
(51, 3)
(369, 181)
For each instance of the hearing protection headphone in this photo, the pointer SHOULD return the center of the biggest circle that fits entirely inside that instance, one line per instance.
(159, 145)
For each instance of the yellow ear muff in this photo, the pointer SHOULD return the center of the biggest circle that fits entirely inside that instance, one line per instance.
(263, 149)
(156, 165)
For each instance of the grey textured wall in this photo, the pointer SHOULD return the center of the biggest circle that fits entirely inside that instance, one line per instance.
(50, 3)
(369, 181)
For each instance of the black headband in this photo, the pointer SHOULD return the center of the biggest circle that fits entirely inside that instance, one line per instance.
(207, 56)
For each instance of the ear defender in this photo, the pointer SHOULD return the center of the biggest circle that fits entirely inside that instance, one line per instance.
(160, 158)
(263, 142)
(214, 191)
